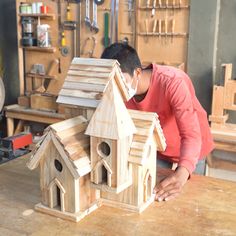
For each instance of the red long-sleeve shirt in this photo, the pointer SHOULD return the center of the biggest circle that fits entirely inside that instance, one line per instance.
(184, 122)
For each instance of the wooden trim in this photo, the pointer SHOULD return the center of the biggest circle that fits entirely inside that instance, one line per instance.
(62, 193)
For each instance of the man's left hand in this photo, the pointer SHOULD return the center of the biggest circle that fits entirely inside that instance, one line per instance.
(172, 185)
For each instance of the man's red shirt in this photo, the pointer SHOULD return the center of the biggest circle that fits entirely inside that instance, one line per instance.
(184, 122)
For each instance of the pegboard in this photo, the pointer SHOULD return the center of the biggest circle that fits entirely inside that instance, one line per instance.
(166, 45)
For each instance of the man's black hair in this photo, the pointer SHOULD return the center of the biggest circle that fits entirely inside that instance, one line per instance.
(125, 55)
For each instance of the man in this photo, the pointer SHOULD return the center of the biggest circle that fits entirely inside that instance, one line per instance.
(168, 92)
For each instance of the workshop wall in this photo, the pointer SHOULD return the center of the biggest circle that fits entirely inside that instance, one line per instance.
(8, 48)
(203, 18)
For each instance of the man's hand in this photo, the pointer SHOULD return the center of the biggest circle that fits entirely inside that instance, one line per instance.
(172, 185)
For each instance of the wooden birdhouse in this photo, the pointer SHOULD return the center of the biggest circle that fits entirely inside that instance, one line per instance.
(63, 155)
(111, 130)
(142, 158)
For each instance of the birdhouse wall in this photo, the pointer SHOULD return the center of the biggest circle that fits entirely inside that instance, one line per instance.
(87, 195)
(141, 189)
(103, 150)
(115, 154)
(123, 148)
(53, 166)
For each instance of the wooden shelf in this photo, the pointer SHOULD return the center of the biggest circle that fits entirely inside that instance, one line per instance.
(40, 49)
(48, 16)
(40, 76)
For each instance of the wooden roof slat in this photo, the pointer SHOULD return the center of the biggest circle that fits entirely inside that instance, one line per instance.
(95, 62)
(88, 74)
(71, 131)
(66, 124)
(80, 94)
(95, 81)
(73, 139)
(83, 86)
(90, 68)
(135, 114)
(78, 101)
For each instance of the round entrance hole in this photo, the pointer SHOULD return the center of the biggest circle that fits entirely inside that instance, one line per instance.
(58, 165)
(104, 149)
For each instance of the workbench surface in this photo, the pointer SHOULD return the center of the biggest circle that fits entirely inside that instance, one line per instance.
(206, 206)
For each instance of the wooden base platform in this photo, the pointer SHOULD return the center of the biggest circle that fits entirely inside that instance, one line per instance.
(67, 216)
(207, 206)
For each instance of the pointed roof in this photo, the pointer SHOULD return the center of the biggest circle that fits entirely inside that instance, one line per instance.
(111, 119)
(148, 128)
(87, 79)
(71, 142)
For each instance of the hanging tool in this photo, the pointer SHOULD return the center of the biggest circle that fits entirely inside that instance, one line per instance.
(106, 40)
(59, 65)
(99, 2)
(72, 26)
(68, 11)
(172, 30)
(63, 48)
(130, 9)
(114, 21)
(166, 29)
(159, 28)
(167, 4)
(2, 94)
(87, 14)
(147, 7)
(146, 30)
(78, 29)
(89, 52)
(160, 3)
(173, 8)
(52, 67)
(153, 8)
(125, 41)
(180, 3)
(94, 25)
(154, 26)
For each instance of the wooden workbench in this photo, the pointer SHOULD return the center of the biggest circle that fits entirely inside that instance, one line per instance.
(207, 206)
(17, 112)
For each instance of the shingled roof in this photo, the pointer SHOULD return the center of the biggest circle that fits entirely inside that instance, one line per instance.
(148, 126)
(87, 79)
(71, 142)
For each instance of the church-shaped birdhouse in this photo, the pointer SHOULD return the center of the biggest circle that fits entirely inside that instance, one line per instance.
(111, 130)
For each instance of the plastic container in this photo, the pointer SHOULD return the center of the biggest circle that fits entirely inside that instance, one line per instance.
(43, 35)
(44, 9)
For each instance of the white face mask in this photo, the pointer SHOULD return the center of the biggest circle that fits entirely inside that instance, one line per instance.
(132, 91)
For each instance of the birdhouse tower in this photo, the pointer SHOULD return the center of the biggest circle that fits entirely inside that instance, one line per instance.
(111, 130)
